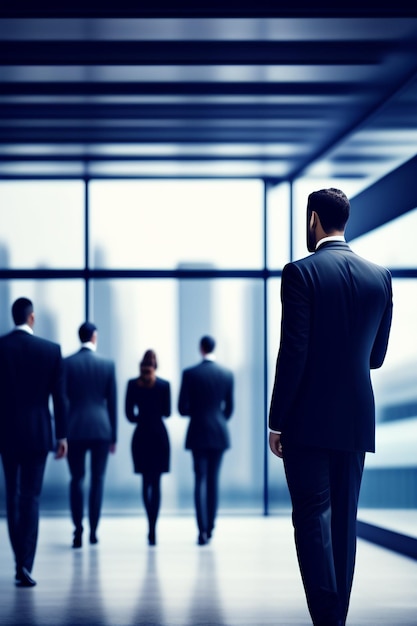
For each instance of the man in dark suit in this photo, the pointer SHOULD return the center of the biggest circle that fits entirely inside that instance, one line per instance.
(336, 318)
(90, 384)
(30, 373)
(206, 396)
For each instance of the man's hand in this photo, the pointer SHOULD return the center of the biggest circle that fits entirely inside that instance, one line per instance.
(112, 448)
(275, 444)
(61, 449)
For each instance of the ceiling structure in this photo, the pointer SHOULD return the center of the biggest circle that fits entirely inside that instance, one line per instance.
(217, 92)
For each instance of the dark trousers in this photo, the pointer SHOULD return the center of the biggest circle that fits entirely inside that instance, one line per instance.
(207, 469)
(324, 486)
(23, 472)
(77, 452)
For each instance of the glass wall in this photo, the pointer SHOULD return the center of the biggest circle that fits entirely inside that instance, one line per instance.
(148, 232)
(142, 226)
(390, 479)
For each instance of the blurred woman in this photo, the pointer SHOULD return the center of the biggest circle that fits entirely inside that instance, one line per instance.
(148, 400)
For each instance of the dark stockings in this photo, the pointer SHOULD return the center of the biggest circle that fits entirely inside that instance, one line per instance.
(151, 493)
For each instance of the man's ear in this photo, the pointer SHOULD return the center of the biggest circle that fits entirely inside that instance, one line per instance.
(313, 219)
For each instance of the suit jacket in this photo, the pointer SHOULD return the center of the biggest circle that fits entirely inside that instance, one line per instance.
(30, 374)
(206, 396)
(90, 385)
(336, 318)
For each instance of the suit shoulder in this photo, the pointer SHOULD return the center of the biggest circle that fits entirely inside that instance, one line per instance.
(47, 344)
(226, 371)
(103, 359)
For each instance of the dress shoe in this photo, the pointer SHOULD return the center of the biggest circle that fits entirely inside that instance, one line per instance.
(202, 539)
(152, 538)
(24, 579)
(93, 538)
(77, 542)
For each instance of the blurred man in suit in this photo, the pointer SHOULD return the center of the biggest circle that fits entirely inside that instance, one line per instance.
(90, 384)
(206, 396)
(30, 374)
(336, 319)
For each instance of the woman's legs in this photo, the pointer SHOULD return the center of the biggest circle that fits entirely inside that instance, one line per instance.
(151, 493)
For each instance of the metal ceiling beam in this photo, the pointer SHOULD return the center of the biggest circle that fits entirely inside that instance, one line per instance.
(192, 88)
(196, 52)
(184, 133)
(220, 8)
(156, 110)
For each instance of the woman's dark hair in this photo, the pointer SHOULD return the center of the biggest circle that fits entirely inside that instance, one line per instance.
(149, 359)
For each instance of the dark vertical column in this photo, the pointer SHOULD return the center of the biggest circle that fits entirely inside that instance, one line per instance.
(291, 233)
(265, 313)
(86, 250)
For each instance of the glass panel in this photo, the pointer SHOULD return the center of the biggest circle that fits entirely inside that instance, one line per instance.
(278, 215)
(390, 473)
(393, 244)
(395, 383)
(42, 224)
(170, 317)
(165, 224)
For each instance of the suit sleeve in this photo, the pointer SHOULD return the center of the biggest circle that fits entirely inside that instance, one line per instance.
(229, 403)
(112, 402)
(184, 398)
(58, 397)
(293, 349)
(379, 349)
(130, 412)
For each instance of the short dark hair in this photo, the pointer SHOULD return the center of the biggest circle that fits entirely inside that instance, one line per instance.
(332, 206)
(21, 309)
(207, 344)
(85, 331)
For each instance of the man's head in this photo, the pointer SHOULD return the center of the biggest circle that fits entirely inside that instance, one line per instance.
(22, 312)
(207, 344)
(87, 332)
(327, 213)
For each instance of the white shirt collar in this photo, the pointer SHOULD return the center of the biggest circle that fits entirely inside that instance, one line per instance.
(25, 327)
(89, 345)
(210, 356)
(331, 238)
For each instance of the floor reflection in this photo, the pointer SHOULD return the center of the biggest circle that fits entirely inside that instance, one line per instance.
(205, 599)
(149, 607)
(84, 602)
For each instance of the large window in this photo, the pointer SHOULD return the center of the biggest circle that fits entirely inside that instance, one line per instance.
(128, 275)
(166, 224)
(42, 224)
(153, 225)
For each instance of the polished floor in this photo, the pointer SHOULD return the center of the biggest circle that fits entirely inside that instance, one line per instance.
(247, 576)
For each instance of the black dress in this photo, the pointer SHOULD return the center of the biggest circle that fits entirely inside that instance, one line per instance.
(146, 406)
